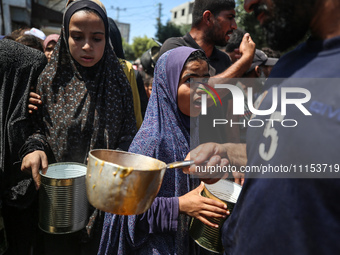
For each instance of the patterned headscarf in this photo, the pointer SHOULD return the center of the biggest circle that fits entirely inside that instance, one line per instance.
(163, 135)
(85, 108)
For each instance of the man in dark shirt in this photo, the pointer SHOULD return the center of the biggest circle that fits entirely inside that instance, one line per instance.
(212, 24)
(298, 214)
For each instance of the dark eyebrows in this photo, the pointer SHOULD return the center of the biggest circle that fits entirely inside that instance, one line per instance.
(100, 33)
(80, 32)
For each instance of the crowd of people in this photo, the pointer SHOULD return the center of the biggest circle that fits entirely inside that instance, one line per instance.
(63, 95)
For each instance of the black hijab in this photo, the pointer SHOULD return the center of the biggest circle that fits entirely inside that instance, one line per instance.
(85, 108)
(20, 67)
(116, 39)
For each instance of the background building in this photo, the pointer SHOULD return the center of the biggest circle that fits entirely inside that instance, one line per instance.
(45, 15)
(42, 14)
(14, 13)
(182, 14)
(124, 29)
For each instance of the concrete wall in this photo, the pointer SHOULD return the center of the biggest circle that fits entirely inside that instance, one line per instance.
(15, 11)
(182, 14)
(18, 13)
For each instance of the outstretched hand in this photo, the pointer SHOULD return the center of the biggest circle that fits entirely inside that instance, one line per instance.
(195, 205)
(207, 156)
(222, 155)
(32, 163)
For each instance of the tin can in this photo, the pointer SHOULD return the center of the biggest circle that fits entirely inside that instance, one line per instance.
(208, 237)
(63, 205)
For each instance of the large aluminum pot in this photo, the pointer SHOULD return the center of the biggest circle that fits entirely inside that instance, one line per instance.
(63, 205)
(121, 182)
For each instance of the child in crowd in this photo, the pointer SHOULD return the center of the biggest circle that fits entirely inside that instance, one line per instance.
(165, 135)
(49, 44)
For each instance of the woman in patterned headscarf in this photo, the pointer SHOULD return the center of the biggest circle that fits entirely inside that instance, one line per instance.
(86, 104)
(87, 100)
(165, 135)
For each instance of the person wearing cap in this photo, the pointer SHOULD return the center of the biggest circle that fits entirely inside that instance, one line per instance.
(256, 76)
(260, 67)
(36, 32)
(49, 44)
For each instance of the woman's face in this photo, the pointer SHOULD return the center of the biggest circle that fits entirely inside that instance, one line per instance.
(49, 49)
(86, 38)
(188, 100)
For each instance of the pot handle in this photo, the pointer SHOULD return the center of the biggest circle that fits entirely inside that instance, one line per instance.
(180, 164)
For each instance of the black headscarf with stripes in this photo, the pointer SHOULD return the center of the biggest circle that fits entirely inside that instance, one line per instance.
(85, 108)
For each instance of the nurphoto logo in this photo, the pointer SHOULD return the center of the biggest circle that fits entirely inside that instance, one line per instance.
(204, 97)
(238, 99)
